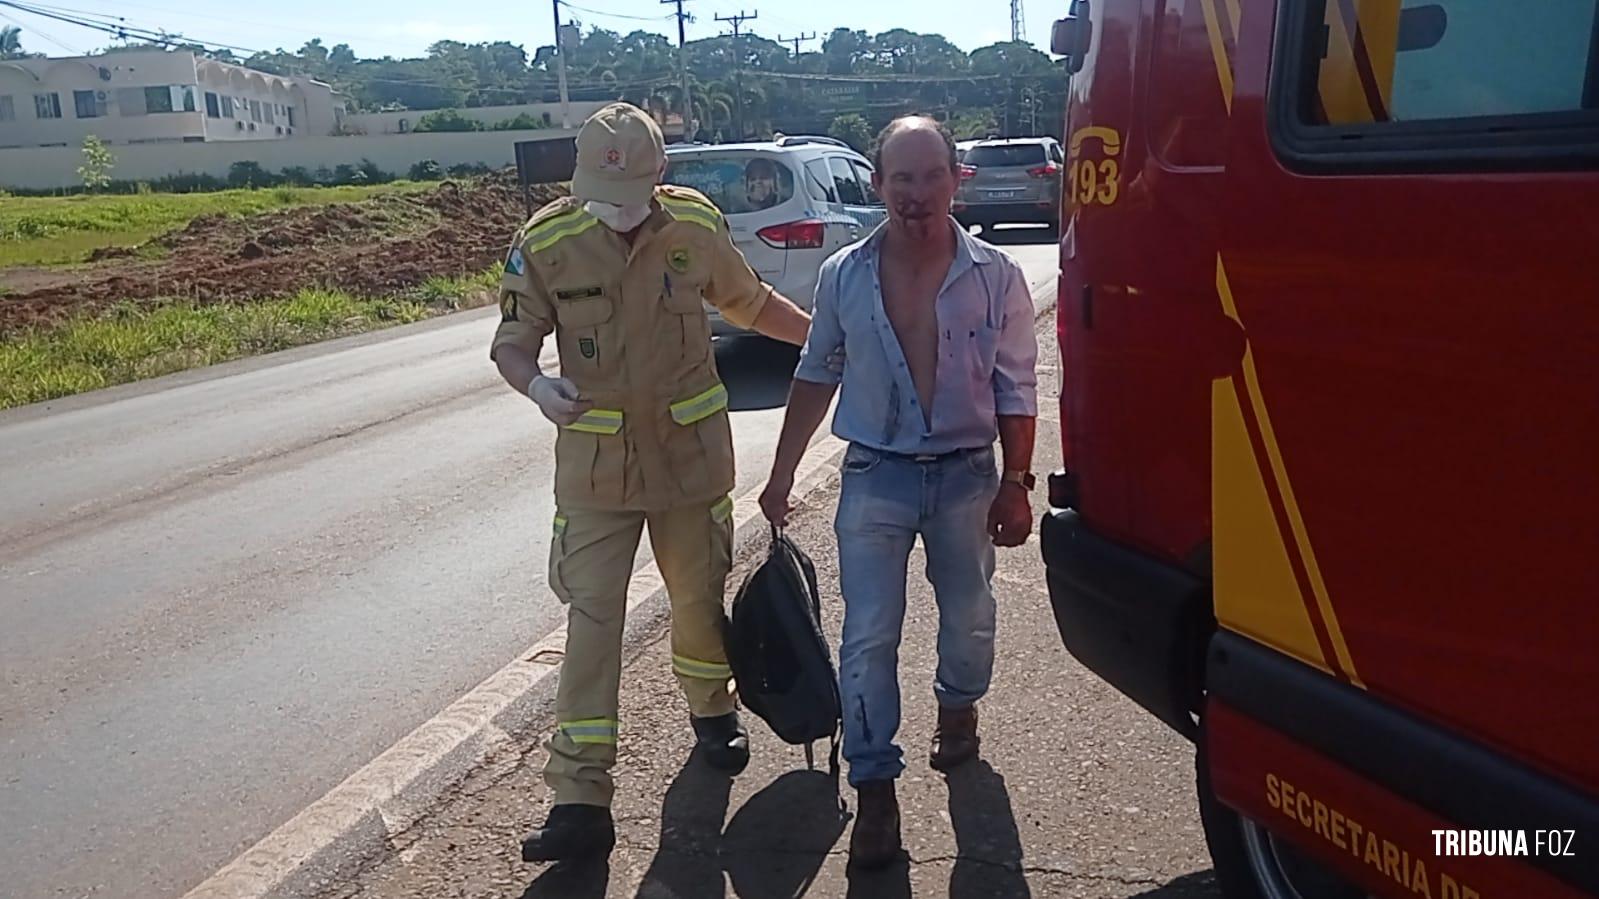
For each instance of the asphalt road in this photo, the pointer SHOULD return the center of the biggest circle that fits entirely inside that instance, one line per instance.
(224, 591)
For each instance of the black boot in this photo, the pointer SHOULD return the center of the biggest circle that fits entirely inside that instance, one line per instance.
(571, 832)
(724, 741)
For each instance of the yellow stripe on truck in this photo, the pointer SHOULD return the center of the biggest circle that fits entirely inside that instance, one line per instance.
(1218, 51)
(1279, 472)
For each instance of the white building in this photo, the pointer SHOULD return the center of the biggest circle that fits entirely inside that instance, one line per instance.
(155, 96)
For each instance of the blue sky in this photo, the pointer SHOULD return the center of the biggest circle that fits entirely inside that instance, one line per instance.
(406, 27)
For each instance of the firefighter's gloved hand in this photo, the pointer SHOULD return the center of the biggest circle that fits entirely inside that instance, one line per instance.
(558, 399)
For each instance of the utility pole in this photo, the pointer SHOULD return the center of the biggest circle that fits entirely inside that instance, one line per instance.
(560, 58)
(682, 72)
(795, 40)
(738, 70)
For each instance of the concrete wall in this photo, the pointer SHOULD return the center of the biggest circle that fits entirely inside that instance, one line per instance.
(56, 167)
(406, 120)
(120, 114)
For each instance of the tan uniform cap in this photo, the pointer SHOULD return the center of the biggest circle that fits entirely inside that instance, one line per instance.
(619, 155)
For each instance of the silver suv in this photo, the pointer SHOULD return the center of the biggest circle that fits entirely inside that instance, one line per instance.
(789, 204)
(1011, 180)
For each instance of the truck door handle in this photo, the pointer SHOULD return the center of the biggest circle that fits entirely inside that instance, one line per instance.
(1088, 306)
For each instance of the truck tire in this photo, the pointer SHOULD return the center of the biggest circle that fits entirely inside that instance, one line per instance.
(1252, 864)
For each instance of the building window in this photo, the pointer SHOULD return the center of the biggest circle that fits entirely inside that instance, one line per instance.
(227, 107)
(270, 120)
(189, 104)
(255, 111)
(289, 111)
(89, 104)
(158, 99)
(47, 106)
(8, 109)
(213, 106)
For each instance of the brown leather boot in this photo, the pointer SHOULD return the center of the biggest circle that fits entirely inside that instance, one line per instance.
(875, 840)
(955, 742)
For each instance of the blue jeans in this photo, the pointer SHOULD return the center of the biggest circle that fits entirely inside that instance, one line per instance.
(885, 503)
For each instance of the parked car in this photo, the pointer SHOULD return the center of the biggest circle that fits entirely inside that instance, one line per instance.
(789, 205)
(961, 146)
(1011, 180)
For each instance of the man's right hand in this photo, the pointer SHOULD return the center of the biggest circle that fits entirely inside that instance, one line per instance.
(558, 399)
(774, 499)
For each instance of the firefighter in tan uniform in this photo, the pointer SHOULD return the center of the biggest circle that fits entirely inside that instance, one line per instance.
(620, 272)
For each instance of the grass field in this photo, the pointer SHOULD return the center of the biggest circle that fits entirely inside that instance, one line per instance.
(136, 342)
(57, 230)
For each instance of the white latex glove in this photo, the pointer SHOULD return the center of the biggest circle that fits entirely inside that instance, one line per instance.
(558, 399)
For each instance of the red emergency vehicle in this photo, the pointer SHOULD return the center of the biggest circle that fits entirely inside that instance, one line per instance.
(1329, 320)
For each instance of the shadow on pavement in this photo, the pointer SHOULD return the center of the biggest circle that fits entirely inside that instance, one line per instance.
(892, 882)
(776, 843)
(1020, 236)
(687, 859)
(572, 880)
(1198, 885)
(988, 846)
(756, 371)
(772, 849)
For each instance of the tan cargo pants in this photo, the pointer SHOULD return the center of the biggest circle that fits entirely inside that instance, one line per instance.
(591, 563)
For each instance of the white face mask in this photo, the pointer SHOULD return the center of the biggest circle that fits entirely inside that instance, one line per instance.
(618, 218)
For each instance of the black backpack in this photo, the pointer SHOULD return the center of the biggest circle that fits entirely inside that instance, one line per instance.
(778, 653)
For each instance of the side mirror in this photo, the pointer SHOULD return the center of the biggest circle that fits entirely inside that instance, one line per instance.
(1072, 36)
(1422, 27)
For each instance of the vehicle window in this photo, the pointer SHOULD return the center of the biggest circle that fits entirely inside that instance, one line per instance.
(820, 180)
(735, 184)
(863, 173)
(1055, 153)
(1005, 154)
(849, 189)
(1419, 61)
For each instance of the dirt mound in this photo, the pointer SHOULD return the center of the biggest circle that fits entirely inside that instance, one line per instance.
(374, 247)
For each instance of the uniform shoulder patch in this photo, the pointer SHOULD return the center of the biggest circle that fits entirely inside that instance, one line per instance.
(551, 210)
(688, 205)
(688, 194)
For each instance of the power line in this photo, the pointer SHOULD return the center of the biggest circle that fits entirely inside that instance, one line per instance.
(24, 27)
(737, 21)
(123, 32)
(614, 15)
(796, 40)
(689, 131)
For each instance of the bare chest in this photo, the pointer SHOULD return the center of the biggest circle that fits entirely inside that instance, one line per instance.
(910, 298)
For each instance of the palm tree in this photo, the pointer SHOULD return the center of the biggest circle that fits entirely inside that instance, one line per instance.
(11, 43)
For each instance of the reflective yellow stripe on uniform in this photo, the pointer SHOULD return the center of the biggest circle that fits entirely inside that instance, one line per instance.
(702, 670)
(722, 510)
(560, 525)
(600, 731)
(547, 233)
(691, 211)
(598, 421)
(697, 408)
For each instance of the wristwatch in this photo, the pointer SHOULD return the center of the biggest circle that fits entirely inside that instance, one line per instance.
(1022, 479)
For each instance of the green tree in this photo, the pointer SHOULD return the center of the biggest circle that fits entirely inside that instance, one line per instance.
(97, 164)
(447, 120)
(10, 42)
(853, 130)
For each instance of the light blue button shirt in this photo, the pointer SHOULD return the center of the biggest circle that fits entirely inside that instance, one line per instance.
(986, 351)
